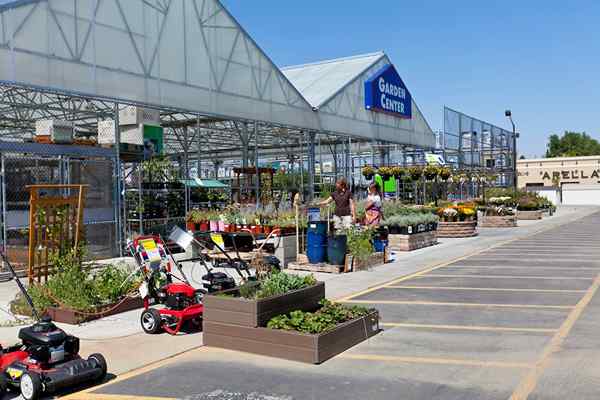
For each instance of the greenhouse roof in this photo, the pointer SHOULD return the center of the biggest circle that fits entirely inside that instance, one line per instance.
(319, 82)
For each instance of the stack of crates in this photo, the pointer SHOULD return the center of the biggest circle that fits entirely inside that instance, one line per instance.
(132, 123)
(54, 131)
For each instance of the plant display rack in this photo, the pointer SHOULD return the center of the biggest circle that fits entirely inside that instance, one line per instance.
(74, 317)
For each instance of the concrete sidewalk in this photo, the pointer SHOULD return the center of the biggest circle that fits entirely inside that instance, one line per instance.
(122, 341)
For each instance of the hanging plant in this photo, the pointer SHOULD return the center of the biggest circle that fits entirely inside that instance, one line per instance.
(368, 171)
(431, 172)
(385, 172)
(445, 173)
(415, 172)
(398, 172)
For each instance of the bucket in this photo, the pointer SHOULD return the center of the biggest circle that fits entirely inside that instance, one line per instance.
(336, 249)
(316, 242)
(380, 245)
(318, 227)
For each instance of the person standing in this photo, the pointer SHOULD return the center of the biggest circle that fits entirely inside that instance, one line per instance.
(345, 212)
(373, 208)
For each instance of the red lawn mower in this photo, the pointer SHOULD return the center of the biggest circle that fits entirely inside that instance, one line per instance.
(180, 301)
(47, 359)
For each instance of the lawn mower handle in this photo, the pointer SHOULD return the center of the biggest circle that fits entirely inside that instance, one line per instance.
(20, 284)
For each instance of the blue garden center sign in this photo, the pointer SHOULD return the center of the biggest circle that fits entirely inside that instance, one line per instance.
(385, 92)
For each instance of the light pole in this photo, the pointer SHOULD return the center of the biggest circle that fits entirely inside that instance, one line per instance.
(508, 114)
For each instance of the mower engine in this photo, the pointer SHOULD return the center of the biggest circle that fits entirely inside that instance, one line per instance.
(47, 344)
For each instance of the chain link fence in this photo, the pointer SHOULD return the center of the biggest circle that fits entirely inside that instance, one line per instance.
(21, 169)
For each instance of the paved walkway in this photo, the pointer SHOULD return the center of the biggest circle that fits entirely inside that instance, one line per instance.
(509, 319)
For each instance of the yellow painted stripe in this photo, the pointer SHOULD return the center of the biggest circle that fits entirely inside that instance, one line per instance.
(97, 396)
(438, 361)
(529, 382)
(457, 304)
(549, 260)
(468, 328)
(486, 289)
(575, 278)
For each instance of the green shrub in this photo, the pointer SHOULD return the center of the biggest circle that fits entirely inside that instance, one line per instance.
(326, 318)
(74, 286)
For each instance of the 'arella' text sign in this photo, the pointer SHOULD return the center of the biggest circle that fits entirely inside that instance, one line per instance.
(385, 92)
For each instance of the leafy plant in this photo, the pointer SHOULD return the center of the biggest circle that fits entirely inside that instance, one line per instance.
(415, 172)
(398, 172)
(359, 242)
(385, 171)
(75, 287)
(276, 284)
(445, 173)
(368, 171)
(325, 319)
(431, 172)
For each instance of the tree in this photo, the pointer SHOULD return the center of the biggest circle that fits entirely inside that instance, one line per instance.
(572, 144)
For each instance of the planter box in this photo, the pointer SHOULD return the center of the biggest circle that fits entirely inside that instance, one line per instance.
(254, 313)
(353, 264)
(412, 242)
(509, 221)
(291, 345)
(459, 229)
(75, 317)
(529, 215)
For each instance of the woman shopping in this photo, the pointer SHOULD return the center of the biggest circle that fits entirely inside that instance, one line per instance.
(345, 213)
(373, 208)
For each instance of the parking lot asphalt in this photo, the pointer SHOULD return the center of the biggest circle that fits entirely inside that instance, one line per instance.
(517, 321)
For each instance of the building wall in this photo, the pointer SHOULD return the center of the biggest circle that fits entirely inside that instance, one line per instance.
(566, 170)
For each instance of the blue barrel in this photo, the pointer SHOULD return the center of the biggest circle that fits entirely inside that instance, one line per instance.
(380, 245)
(314, 214)
(336, 249)
(316, 242)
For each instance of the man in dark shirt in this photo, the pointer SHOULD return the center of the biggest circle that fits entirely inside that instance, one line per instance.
(345, 213)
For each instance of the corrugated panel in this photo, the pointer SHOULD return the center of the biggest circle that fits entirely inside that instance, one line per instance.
(318, 82)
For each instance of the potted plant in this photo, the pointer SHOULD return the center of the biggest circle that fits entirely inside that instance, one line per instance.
(368, 172)
(415, 172)
(398, 172)
(445, 173)
(431, 172)
(385, 172)
(194, 218)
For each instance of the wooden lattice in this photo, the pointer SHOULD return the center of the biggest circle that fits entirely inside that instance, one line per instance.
(55, 225)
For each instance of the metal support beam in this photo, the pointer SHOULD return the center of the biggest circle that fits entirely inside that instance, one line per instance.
(311, 165)
(119, 179)
(257, 188)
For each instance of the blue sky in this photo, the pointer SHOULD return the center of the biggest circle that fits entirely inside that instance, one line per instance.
(540, 58)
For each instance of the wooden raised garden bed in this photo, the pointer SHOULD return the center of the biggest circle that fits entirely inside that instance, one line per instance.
(412, 242)
(257, 312)
(507, 221)
(291, 345)
(529, 215)
(458, 229)
(75, 317)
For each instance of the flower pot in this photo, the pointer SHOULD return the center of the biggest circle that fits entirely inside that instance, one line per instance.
(369, 177)
(221, 226)
(267, 229)
(190, 226)
(214, 226)
(204, 226)
(385, 177)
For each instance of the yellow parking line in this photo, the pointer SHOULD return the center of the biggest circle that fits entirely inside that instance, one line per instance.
(529, 382)
(439, 361)
(486, 289)
(468, 328)
(576, 278)
(444, 264)
(457, 304)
